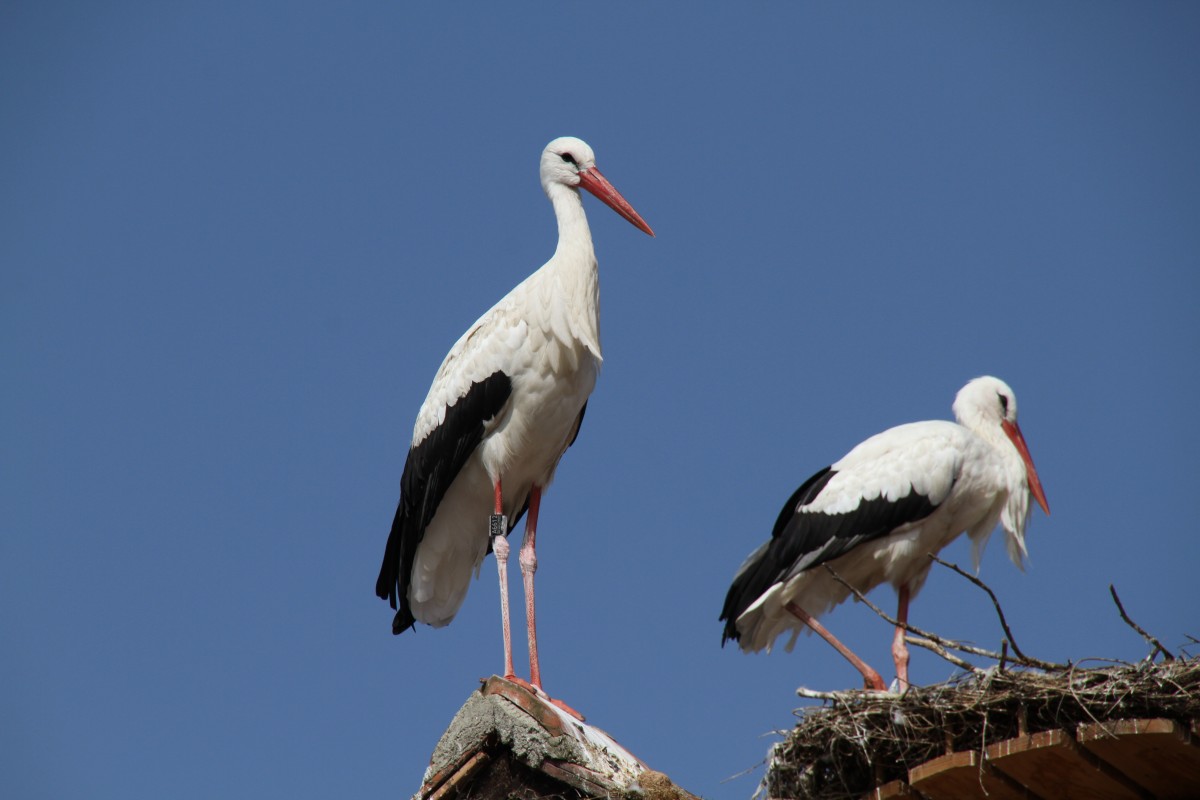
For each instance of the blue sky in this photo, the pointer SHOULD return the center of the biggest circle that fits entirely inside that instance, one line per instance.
(237, 240)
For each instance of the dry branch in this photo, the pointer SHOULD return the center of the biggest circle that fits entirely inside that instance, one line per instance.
(933, 638)
(928, 644)
(995, 603)
(1158, 648)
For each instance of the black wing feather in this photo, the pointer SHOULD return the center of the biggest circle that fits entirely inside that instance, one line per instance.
(578, 424)
(429, 470)
(803, 540)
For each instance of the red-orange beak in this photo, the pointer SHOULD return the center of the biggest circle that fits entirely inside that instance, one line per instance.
(597, 184)
(1035, 485)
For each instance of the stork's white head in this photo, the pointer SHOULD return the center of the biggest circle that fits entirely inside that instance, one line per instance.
(563, 160)
(988, 405)
(984, 403)
(570, 162)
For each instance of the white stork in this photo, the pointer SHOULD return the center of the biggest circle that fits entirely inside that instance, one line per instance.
(875, 515)
(505, 405)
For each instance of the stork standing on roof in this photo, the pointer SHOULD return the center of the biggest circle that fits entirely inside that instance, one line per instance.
(505, 405)
(875, 515)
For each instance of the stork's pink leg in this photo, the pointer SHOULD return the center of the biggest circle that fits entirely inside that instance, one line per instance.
(899, 646)
(528, 561)
(500, 548)
(871, 679)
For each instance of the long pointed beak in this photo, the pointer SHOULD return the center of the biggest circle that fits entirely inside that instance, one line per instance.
(1035, 485)
(597, 184)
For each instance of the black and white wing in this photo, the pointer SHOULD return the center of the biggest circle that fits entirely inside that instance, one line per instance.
(892, 480)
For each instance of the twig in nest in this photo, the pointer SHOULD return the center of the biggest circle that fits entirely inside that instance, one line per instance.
(1026, 661)
(1192, 642)
(848, 696)
(928, 638)
(995, 603)
(929, 644)
(1158, 648)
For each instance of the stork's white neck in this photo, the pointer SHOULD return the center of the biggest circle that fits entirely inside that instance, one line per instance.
(574, 235)
(573, 267)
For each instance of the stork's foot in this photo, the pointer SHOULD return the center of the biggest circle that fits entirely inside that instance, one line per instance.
(540, 693)
(872, 682)
(524, 684)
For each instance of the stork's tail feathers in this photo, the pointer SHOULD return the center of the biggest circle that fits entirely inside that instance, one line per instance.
(754, 578)
(387, 585)
(768, 563)
(403, 620)
(730, 634)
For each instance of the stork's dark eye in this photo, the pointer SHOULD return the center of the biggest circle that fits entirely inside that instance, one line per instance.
(570, 159)
(1003, 402)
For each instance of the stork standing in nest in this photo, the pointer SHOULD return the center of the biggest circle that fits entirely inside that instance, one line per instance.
(875, 515)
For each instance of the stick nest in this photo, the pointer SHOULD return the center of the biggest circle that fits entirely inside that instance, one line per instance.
(861, 740)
